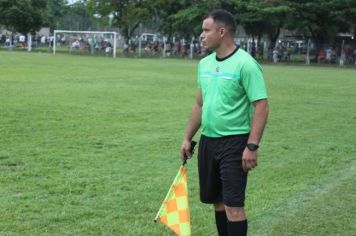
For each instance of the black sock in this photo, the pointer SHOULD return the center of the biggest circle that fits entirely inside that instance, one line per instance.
(237, 228)
(221, 223)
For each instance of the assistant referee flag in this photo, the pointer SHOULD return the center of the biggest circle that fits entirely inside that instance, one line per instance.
(174, 211)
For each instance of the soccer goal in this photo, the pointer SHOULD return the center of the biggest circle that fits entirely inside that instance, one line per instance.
(93, 42)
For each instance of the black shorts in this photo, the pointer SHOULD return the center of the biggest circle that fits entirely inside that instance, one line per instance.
(221, 176)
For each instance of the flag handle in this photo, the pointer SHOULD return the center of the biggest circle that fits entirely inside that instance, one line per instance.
(192, 146)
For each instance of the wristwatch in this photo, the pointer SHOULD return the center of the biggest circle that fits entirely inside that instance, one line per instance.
(252, 147)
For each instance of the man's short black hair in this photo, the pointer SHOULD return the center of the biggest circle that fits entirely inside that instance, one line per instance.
(223, 17)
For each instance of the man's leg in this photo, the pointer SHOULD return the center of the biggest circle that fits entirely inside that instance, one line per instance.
(234, 181)
(221, 219)
(209, 181)
(237, 222)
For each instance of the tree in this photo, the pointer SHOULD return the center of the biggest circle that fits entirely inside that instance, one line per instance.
(126, 14)
(160, 11)
(263, 17)
(323, 19)
(56, 9)
(188, 20)
(24, 16)
(77, 17)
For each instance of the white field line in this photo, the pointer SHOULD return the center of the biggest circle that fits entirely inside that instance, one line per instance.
(293, 205)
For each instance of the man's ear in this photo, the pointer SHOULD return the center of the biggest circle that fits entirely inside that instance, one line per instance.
(222, 32)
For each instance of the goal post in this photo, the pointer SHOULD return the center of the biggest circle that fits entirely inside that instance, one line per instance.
(88, 37)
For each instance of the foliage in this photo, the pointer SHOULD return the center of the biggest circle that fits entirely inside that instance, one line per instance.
(56, 9)
(126, 14)
(263, 17)
(78, 17)
(24, 16)
(323, 19)
(162, 12)
(187, 21)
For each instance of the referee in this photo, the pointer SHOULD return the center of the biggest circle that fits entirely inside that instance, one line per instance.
(232, 109)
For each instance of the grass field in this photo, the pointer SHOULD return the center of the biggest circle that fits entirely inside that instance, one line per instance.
(90, 146)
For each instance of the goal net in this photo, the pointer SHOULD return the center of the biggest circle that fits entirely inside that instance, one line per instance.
(85, 42)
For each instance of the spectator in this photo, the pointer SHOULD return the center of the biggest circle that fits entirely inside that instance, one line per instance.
(22, 39)
(76, 44)
(126, 50)
(321, 56)
(275, 55)
(108, 49)
(328, 55)
(8, 43)
(285, 55)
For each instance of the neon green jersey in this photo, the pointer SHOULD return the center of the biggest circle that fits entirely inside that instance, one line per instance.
(229, 86)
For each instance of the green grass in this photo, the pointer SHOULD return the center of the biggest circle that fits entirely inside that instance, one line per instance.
(90, 146)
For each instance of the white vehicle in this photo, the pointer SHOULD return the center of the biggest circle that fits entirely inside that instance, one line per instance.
(149, 37)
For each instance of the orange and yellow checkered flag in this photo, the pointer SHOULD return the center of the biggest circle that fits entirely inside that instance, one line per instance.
(174, 211)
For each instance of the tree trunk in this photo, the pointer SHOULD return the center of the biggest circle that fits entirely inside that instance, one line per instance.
(125, 34)
(274, 36)
(319, 40)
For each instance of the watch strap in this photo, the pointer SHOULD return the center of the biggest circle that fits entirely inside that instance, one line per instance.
(252, 146)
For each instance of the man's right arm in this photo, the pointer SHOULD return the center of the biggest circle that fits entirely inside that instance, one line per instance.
(192, 127)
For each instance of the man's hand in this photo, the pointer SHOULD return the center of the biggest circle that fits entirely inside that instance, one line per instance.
(249, 159)
(185, 150)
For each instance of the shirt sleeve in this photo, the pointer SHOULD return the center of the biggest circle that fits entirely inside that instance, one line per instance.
(253, 82)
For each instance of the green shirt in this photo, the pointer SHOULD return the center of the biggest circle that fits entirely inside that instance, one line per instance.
(229, 86)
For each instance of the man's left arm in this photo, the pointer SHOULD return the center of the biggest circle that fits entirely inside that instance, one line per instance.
(261, 109)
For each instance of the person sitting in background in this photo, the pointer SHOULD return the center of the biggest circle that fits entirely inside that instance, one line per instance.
(148, 48)
(328, 55)
(126, 50)
(7, 43)
(286, 55)
(76, 44)
(321, 56)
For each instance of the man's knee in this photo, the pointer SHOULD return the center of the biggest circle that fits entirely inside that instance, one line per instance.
(235, 213)
(219, 206)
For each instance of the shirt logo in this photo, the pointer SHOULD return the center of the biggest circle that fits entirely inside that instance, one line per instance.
(217, 69)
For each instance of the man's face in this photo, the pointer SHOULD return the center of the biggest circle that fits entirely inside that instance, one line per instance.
(211, 35)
